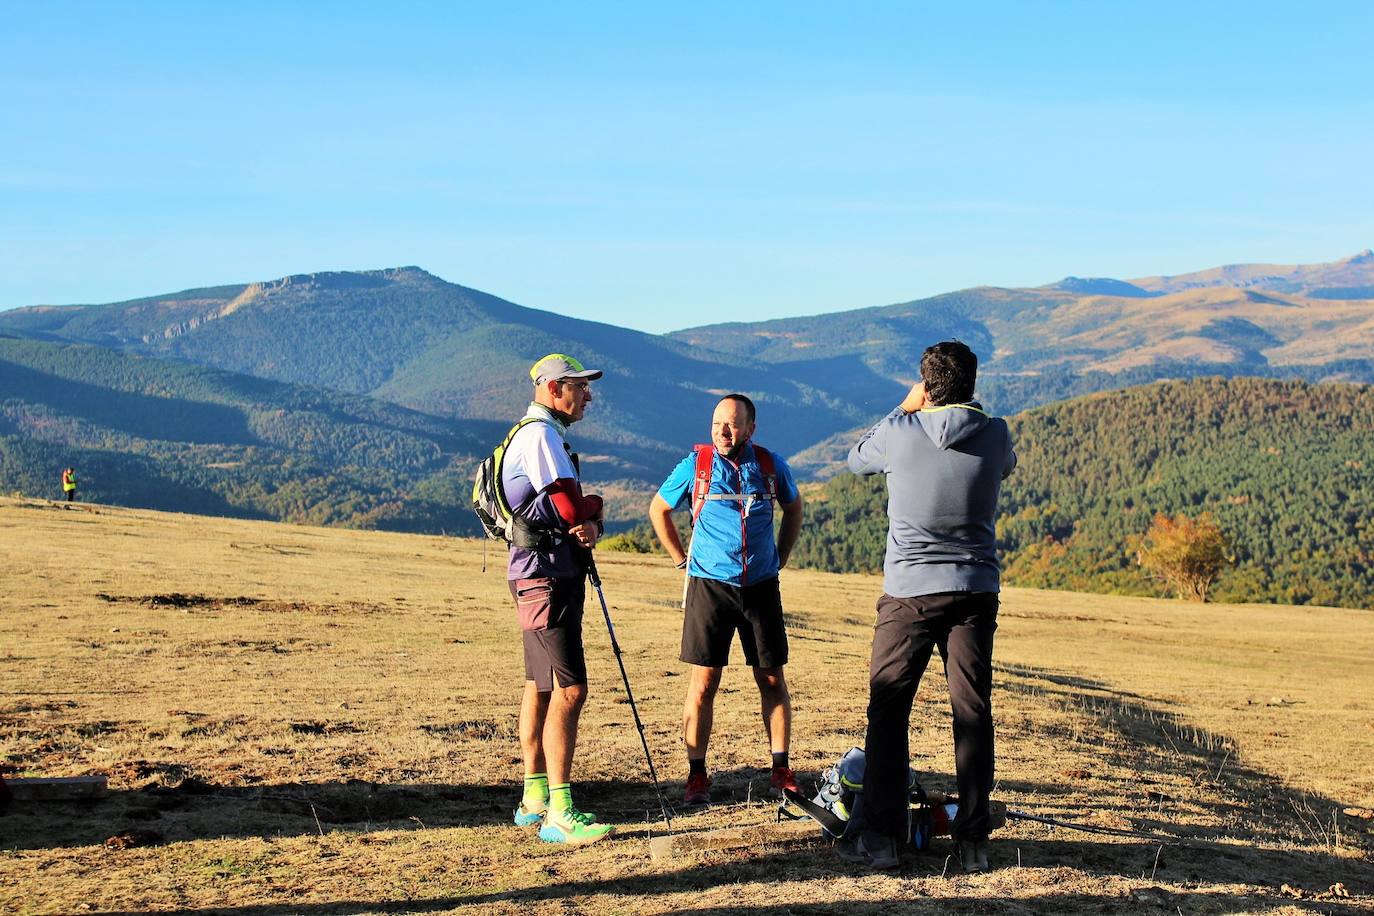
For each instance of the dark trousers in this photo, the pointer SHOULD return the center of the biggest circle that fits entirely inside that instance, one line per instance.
(961, 625)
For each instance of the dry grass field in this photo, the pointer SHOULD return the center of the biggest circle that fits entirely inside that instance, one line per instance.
(313, 721)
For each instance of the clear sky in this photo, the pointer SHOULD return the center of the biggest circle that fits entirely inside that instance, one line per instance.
(659, 167)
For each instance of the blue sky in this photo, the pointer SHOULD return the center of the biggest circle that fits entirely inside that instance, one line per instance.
(658, 168)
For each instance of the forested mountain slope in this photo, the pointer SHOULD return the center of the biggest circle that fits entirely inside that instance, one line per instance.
(170, 435)
(1284, 466)
(406, 336)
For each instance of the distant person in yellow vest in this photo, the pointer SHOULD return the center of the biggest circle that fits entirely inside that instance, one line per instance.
(69, 484)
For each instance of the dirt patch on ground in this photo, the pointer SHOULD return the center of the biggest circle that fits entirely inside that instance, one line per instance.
(480, 729)
(229, 646)
(325, 728)
(193, 602)
(179, 600)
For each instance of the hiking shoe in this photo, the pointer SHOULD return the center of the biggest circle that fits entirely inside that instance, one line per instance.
(973, 856)
(576, 828)
(526, 816)
(698, 790)
(868, 848)
(782, 780)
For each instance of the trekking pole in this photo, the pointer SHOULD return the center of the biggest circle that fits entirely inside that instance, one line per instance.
(687, 566)
(615, 647)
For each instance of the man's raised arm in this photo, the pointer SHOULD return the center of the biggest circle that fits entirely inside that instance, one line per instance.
(869, 455)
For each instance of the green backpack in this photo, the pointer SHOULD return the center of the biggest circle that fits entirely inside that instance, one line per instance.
(489, 497)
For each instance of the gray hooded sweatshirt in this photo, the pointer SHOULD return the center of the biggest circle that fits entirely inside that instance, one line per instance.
(944, 468)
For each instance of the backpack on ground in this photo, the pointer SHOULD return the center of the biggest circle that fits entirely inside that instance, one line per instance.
(498, 519)
(840, 796)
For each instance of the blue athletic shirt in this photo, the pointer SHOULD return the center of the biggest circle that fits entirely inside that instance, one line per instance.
(733, 541)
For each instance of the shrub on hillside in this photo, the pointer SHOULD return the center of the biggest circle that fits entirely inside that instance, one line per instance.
(1186, 553)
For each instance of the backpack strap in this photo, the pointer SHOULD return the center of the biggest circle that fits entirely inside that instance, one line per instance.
(500, 456)
(768, 469)
(701, 481)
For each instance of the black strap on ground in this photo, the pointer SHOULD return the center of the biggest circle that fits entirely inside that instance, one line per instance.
(829, 820)
(833, 825)
(1089, 828)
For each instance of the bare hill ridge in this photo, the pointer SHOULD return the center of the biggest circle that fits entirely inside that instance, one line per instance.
(1247, 319)
(1354, 271)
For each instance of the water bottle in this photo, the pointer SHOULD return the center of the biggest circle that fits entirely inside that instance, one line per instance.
(931, 820)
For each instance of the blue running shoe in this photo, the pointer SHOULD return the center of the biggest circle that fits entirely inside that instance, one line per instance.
(528, 816)
(573, 827)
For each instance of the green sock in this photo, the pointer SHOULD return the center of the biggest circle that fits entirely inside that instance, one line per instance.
(536, 790)
(560, 797)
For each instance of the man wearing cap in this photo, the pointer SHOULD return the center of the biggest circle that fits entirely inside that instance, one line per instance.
(732, 583)
(559, 523)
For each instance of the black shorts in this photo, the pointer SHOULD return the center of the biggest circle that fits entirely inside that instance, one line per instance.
(715, 610)
(550, 612)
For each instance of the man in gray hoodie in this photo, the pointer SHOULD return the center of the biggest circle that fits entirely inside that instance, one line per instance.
(945, 459)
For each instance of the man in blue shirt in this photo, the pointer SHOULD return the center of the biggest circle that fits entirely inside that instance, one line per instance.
(732, 581)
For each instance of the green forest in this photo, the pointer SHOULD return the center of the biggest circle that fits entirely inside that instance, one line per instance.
(175, 436)
(1284, 467)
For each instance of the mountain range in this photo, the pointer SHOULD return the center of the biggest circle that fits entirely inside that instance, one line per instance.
(390, 384)
(407, 337)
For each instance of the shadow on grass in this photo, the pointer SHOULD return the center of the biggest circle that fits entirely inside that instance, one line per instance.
(1158, 745)
(193, 810)
(819, 866)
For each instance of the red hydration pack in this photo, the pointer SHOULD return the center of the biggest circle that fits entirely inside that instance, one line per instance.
(701, 485)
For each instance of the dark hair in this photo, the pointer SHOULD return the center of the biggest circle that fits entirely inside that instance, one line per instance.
(748, 404)
(949, 369)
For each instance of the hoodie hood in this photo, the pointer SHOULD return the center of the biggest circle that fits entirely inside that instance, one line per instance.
(951, 424)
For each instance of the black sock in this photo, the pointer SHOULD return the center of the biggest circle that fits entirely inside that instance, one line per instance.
(695, 767)
(779, 759)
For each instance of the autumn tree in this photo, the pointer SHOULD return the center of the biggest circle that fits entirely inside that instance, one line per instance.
(1188, 554)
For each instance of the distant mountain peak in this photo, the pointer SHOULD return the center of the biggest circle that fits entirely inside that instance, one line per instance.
(1351, 272)
(1100, 286)
(351, 279)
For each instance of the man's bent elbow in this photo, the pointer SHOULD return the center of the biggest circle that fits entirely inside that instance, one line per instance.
(659, 508)
(857, 464)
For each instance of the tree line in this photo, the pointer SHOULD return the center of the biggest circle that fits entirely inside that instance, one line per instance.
(1282, 467)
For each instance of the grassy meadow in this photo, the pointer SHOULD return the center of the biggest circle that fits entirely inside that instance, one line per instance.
(318, 721)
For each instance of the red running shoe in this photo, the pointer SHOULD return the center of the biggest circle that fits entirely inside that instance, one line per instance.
(783, 779)
(698, 790)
